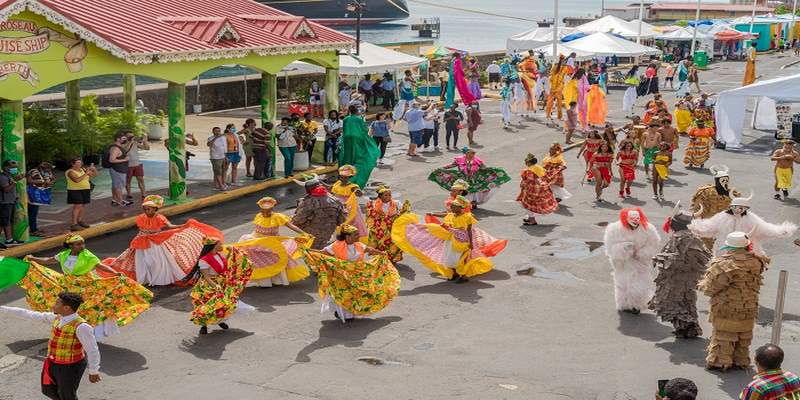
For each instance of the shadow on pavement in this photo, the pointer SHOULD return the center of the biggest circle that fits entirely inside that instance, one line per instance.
(351, 334)
(212, 346)
(733, 381)
(406, 272)
(643, 326)
(485, 213)
(564, 210)
(119, 361)
(22, 345)
(466, 292)
(767, 315)
(686, 351)
(540, 230)
(269, 299)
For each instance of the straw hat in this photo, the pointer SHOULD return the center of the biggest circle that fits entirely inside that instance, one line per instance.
(737, 239)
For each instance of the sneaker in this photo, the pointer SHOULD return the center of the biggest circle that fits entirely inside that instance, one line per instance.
(12, 242)
(437, 148)
(3, 246)
(129, 197)
(223, 325)
(114, 203)
(126, 203)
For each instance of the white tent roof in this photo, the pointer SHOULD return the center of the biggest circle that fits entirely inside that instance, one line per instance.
(606, 45)
(684, 34)
(565, 49)
(534, 38)
(610, 23)
(730, 107)
(372, 60)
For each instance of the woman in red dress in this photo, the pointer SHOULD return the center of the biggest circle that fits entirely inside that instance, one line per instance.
(627, 158)
(535, 194)
(601, 167)
(589, 147)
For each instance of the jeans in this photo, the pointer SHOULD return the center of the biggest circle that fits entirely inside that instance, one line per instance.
(331, 150)
(427, 134)
(451, 130)
(288, 160)
(260, 161)
(382, 141)
(33, 216)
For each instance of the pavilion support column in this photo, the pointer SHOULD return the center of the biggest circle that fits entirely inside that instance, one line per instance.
(72, 93)
(269, 110)
(13, 131)
(129, 92)
(176, 101)
(331, 89)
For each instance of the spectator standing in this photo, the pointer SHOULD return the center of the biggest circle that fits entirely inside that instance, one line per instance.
(416, 124)
(473, 121)
(40, 180)
(233, 154)
(8, 200)
(287, 145)
(493, 70)
(377, 91)
(307, 131)
(345, 94)
(262, 159)
(679, 389)
(379, 130)
(431, 129)
(388, 85)
(452, 124)
(315, 99)
(217, 146)
(365, 88)
(333, 131)
(444, 78)
(118, 160)
(79, 191)
(135, 167)
(771, 382)
(246, 137)
(670, 76)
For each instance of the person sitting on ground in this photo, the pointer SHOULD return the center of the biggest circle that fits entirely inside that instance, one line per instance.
(770, 382)
(679, 389)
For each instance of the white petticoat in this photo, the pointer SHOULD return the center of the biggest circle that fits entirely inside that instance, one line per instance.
(156, 266)
(481, 197)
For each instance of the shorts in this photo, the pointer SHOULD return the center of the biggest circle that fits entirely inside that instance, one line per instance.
(234, 157)
(216, 166)
(83, 196)
(136, 171)
(7, 214)
(669, 78)
(416, 137)
(494, 78)
(118, 179)
(315, 100)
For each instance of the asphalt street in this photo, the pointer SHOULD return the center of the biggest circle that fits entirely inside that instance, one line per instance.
(505, 335)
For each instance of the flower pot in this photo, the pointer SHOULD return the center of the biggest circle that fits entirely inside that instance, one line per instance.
(155, 131)
(301, 162)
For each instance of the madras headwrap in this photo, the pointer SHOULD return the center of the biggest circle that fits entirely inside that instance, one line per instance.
(461, 201)
(460, 184)
(347, 170)
(267, 203)
(209, 240)
(383, 189)
(346, 229)
(73, 238)
(153, 200)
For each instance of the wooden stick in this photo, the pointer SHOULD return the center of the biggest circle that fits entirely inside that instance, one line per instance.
(777, 320)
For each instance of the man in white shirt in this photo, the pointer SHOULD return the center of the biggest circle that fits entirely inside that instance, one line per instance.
(135, 167)
(493, 70)
(217, 146)
(71, 350)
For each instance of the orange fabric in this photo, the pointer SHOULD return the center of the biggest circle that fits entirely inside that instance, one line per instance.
(392, 207)
(340, 250)
(142, 240)
(230, 140)
(701, 132)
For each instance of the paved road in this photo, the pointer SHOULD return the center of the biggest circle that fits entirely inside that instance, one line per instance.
(555, 335)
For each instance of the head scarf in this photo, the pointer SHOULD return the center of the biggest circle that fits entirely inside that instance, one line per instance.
(154, 201)
(346, 229)
(209, 240)
(383, 189)
(73, 238)
(461, 201)
(460, 184)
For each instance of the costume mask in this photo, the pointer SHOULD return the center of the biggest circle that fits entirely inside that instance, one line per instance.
(634, 219)
(739, 210)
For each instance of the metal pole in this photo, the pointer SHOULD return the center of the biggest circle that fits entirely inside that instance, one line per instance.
(641, 17)
(777, 320)
(358, 30)
(197, 92)
(602, 8)
(753, 17)
(794, 20)
(696, 22)
(555, 29)
(245, 91)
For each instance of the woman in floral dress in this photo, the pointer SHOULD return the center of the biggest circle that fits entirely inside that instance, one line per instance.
(381, 214)
(349, 284)
(221, 275)
(109, 303)
(535, 194)
(275, 259)
(454, 248)
(469, 167)
(348, 194)
(161, 253)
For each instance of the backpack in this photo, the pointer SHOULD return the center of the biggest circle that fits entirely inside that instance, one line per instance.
(105, 162)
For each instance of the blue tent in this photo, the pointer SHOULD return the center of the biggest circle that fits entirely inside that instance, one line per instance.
(700, 22)
(573, 36)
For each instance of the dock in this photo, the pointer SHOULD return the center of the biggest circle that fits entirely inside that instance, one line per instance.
(428, 27)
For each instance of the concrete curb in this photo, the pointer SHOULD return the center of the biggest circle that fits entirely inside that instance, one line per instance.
(790, 64)
(125, 223)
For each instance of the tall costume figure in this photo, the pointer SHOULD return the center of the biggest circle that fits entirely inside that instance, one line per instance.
(528, 72)
(680, 265)
(630, 245)
(458, 82)
(739, 218)
(556, 97)
(711, 199)
(318, 213)
(750, 67)
(732, 283)
(482, 180)
(358, 149)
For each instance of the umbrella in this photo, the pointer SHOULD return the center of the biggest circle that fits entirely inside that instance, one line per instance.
(441, 52)
(730, 34)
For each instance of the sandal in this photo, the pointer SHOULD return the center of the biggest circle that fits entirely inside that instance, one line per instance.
(76, 227)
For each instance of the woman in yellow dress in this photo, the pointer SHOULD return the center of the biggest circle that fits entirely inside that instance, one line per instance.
(275, 259)
(348, 194)
(455, 249)
(349, 284)
(750, 67)
(381, 215)
(661, 163)
(683, 118)
(109, 303)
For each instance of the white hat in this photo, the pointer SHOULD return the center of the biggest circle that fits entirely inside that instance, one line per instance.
(742, 201)
(737, 239)
(719, 171)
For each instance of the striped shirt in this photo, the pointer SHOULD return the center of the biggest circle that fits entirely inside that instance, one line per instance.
(773, 385)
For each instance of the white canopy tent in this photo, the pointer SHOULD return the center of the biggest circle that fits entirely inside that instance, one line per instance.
(534, 38)
(372, 60)
(627, 29)
(730, 107)
(606, 45)
(685, 35)
(565, 49)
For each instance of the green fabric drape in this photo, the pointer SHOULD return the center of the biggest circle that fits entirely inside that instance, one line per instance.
(12, 270)
(358, 149)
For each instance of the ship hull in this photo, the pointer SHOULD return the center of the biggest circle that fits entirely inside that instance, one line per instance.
(333, 12)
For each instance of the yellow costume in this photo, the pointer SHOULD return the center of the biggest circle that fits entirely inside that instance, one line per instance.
(571, 92)
(556, 96)
(275, 259)
(347, 195)
(750, 68)
(683, 118)
(662, 169)
(783, 177)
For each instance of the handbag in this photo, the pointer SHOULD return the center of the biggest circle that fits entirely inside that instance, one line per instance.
(39, 196)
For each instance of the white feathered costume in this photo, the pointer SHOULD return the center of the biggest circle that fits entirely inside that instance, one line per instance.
(631, 254)
(758, 230)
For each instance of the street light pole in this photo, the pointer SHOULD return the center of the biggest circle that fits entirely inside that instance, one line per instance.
(357, 7)
(794, 20)
(602, 8)
(555, 29)
(696, 22)
(641, 17)
(753, 16)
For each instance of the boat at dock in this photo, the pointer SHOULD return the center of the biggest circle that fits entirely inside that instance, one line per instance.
(334, 12)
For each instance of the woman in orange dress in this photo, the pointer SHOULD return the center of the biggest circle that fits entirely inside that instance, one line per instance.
(162, 253)
(699, 148)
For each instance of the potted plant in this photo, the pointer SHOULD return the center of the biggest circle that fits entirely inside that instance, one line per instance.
(298, 102)
(155, 124)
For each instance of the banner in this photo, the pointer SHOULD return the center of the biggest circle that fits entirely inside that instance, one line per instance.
(22, 69)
